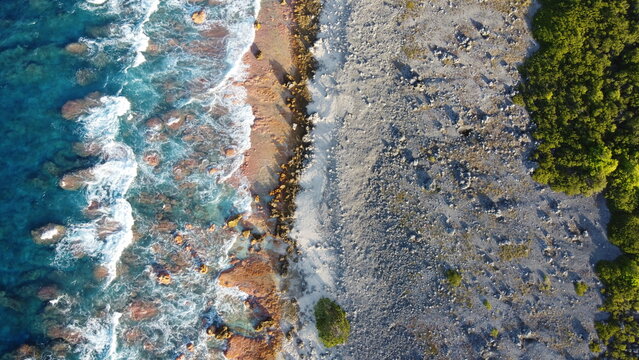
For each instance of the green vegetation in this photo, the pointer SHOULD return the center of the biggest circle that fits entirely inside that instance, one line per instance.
(580, 288)
(594, 347)
(332, 326)
(509, 252)
(494, 332)
(487, 304)
(582, 90)
(546, 285)
(454, 277)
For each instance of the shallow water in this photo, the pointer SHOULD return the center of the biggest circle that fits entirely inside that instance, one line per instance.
(165, 93)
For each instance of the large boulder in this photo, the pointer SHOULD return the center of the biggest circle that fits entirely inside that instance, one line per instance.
(48, 234)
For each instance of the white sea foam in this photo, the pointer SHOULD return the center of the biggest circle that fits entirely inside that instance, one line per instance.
(50, 234)
(106, 237)
(103, 123)
(141, 40)
(100, 335)
(131, 33)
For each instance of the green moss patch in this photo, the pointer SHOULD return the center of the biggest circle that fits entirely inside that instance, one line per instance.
(332, 326)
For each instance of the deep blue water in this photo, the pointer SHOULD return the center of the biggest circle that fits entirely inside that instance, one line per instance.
(180, 77)
(37, 76)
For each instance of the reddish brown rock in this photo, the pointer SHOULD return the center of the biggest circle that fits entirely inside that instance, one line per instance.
(174, 119)
(155, 124)
(134, 335)
(73, 109)
(86, 149)
(69, 335)
(243, 348)
(26, 351)
(230, 152)
(71, 182)
(48, 292)
(48, 234)
(253, 275)
(142, 310)
(100, 272)
(152, 158)
(76, 48)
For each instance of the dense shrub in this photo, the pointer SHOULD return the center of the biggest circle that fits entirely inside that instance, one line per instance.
(580, 288)
(332, 326)
(582, 91)
(623, 231)
(454, 277)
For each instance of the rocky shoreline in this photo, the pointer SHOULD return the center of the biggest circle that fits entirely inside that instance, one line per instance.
(279, 65)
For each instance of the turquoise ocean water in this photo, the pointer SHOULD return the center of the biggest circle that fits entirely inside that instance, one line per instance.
(164, 131)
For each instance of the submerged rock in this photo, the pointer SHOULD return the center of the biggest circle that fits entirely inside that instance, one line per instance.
(76, 48)
(48, 234)
(141, 310)
(27, 351)
(48, 292)
(85, 76)
(86, 149)
(73, 109)
(76, 180)
(152, 158)
(69, 335)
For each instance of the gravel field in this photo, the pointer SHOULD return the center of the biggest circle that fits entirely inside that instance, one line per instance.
(419, 166)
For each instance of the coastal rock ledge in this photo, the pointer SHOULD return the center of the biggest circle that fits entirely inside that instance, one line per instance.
(48, 234)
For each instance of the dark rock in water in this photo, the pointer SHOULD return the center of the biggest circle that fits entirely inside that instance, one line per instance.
(155, 124)
(142, 310)
(152, 158)
(76, 48)
(27, 351)
(69, 335)
(51, 168)
(48, 292)
(219, 332)
(86, 149)
(48, 234)
(85, 76)
(76, 180)
(73, 109)
(10, 302)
